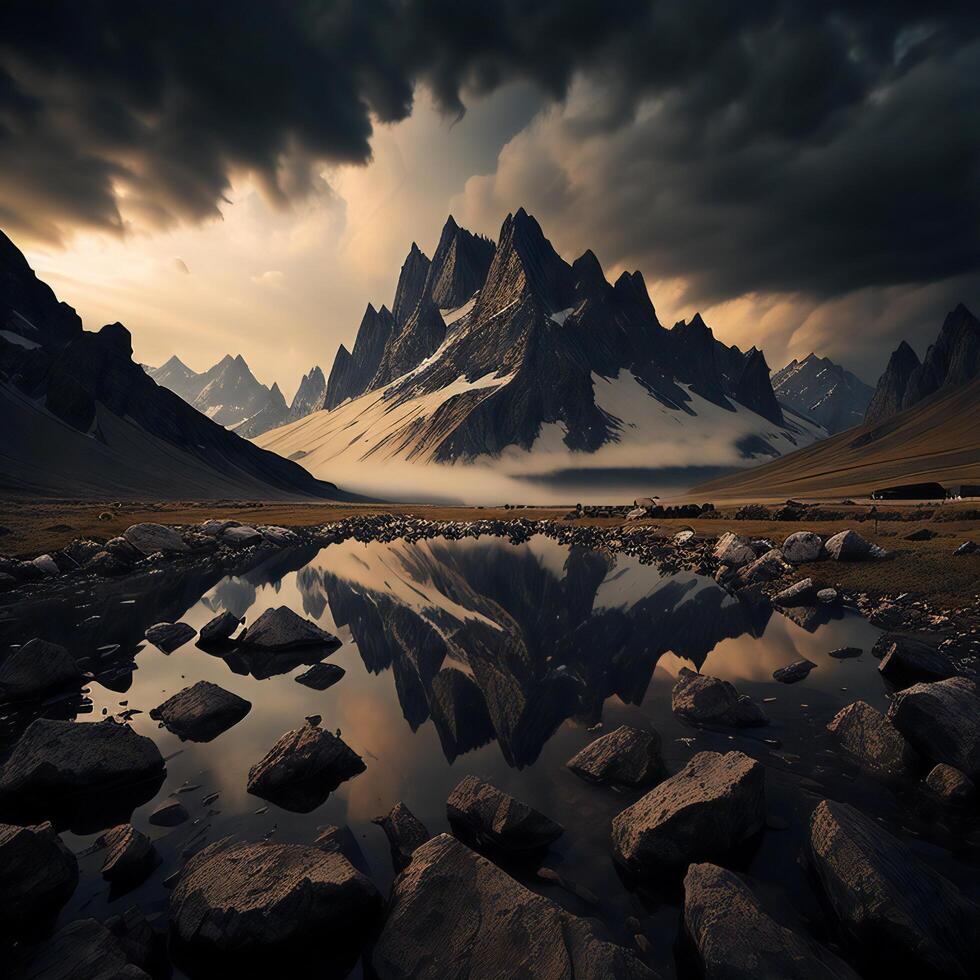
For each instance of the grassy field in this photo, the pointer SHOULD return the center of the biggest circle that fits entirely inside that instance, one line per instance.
(924, 568)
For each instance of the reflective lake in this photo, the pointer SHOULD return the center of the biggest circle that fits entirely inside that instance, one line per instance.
(474, 657)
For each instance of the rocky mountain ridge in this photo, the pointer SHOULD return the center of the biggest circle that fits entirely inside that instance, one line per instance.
(824, 391)
(510, 349)
(84, 419)
(953, 360)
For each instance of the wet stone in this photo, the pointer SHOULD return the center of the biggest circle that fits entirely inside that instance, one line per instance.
(169, 636)
(321, 676)
(405, 833)
(37, 667)
(704, 700)
(870, 740)
(282, 629)
(220, 628)
(793, 672)
(624, 757)
(201, 712)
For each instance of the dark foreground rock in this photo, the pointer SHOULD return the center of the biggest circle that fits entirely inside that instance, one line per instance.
(148, 539)
(735, 939)
(624, 757)
(55, 759)
(38, 874)
(941, 721)
(454, 915)
(793, 672)
(282, 629)
(82, 950)
(893, 910)
(201, 712)
(129, 857)
(303, 768)
(220, 628)
(35, 668)
(872, 742)
(704, 700)
(169, 813)
(714, 804)
(488, 818)
(405, 833)
(241, 900)
(321, 676)
(906, 660)
(169, 636)
(343, 841)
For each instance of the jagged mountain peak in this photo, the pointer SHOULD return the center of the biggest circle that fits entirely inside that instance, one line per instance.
(822, 390)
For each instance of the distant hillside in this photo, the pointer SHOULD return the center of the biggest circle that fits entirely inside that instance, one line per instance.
(937, 439)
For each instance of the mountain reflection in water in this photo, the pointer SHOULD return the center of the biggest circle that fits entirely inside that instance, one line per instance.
(462, 657)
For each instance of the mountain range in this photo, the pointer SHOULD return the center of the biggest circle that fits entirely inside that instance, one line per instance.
(823, 391)
(922, 426)
(232, 396)
(82, 418)
(505, 351)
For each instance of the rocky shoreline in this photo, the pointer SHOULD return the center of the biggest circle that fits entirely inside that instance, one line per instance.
(244, 904)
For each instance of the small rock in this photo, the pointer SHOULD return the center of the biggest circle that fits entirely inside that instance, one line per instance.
(845, 653)
(715, 803)
(37, 667)
(169, 636)
(705, 700)
(303, 768)
(803, 546)
(405, 833)
(873, 742)
(877, 888)
(488, 817)
(148, 539)
(241, 537)
(906, 660)
(802, 593)
(201, 712)
(46, 565)
(950, 785)
(850, 546)
(321, 676)
(220, 628)
(827, 596)
(281, 537)
(922, 534)
(169, 813)
(967, 548)
(793, 672)
(38, 874)
(624, 757)
(736, 940)
(940, 721)
(282, 629)
(130, 856)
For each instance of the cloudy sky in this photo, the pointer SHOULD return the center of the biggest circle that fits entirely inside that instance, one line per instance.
(245, 175)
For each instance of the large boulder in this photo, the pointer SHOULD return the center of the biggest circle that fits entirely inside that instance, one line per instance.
(303, 768)
(282, 629)
(201, 712)
(82, 950)
(36, 667)
(453, 915)
(253, 900)
(219, 628)
(704, 700)
(38, 874)
(801, 547)
(941, 721)
(624, 757)
(872, 742)
(55, 759)
(488, 818)
(169, 636)
(850, 546)
(148, 539)
(129, 855)
(405, 833)
(894, 910)
(735, 939)
(950, 786)
(715, 803)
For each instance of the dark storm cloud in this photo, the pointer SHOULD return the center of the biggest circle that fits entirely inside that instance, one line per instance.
(816, 147)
